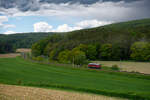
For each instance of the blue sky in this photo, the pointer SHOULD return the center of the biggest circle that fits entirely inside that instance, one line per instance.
(25, 23)
(62, 16)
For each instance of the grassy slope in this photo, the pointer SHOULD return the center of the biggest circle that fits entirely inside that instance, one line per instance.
(13, 70)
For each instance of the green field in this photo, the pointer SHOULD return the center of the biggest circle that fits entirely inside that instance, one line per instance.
(20, 72)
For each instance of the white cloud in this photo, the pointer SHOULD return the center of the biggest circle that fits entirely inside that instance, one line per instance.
(5, 26)
(3, 19)
(65, 28)
(8, 26)
(42, 27)
(45, 27)
(92, 23)
(9, 32)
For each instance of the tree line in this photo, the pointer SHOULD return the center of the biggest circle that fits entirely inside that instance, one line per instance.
(138, 51)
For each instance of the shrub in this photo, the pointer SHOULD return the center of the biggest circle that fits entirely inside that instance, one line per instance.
(39, 58)
(115, 67)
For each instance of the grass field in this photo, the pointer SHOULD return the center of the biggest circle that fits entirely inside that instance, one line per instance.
(20, 72)
(10, 92)
(142, 67)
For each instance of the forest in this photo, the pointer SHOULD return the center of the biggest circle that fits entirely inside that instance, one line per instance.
(9, 43)
(119, 41)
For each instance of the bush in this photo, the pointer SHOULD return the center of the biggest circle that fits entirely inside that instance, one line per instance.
(39, 58)
(115, 67)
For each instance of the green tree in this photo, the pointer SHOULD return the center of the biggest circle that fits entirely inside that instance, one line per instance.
(91, 52)
(117, 51)
(38, 48)
(47, 49)
(77, 57)
(140, 51)
(63, 56)
(106, 52)
(82, 47)
(52, 55)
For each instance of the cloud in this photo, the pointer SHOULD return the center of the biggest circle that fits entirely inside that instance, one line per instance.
(9, 32)
(65, 28)
(42, 27)
(5, 26)
(92, 23)
(22, 5)
(8, 26)
(45, 27)
(106, 11)
(102, 11)
(33, 5)
(3, 19)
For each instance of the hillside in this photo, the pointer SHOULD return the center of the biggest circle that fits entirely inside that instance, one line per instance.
(125, 32)
(8, 43)
(119, 36)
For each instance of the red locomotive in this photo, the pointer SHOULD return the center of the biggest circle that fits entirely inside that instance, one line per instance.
(94, 65)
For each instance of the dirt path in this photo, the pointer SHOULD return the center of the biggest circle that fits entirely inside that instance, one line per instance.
(18, 51)
(10, 55)
(142, 67)
(9, 92)
(23, 50)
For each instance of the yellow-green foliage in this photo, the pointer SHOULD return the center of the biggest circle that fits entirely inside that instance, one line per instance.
(77, 57)
(140, 51)
(106, 51)
(47, 49)
(115, 67)
(63, 56)
(39, 58)
(52, 54)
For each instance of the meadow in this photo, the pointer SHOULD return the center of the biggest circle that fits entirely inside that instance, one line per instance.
(17, 71)
(142, 67)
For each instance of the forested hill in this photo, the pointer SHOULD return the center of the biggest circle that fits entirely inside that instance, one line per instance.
(125, 32)
(119, 35)
(8, 43)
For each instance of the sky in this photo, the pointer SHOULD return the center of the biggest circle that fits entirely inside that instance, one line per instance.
(19, 16)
